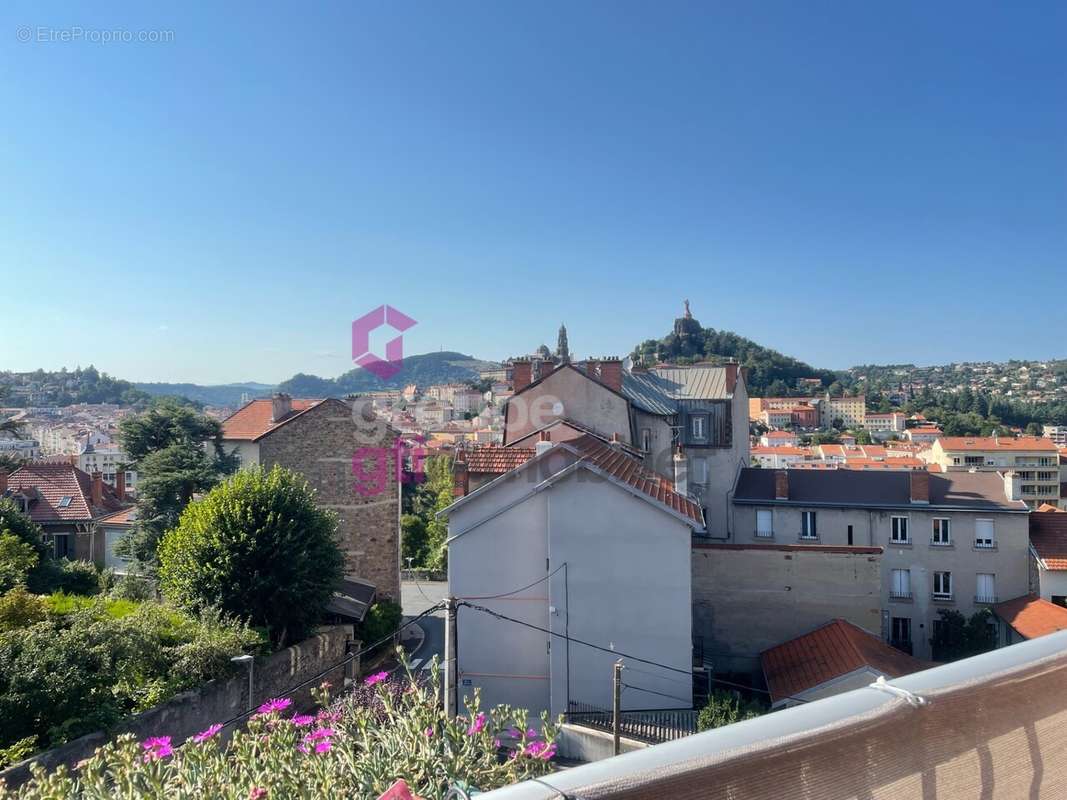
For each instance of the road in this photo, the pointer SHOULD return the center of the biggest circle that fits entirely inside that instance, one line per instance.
(416, 598)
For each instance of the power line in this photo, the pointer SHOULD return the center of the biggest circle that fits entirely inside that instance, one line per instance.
(341, 663)
(659, 675)
(688, 702)
(521, 589)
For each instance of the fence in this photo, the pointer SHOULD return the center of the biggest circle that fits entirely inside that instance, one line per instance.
(649, 725)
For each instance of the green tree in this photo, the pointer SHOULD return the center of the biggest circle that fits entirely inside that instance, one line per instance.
(956, 636)
(17, 559)
(863, 436)
(257, 547)
(179, 453)
(726, 708)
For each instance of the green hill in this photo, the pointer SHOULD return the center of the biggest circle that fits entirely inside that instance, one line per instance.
(424, 369)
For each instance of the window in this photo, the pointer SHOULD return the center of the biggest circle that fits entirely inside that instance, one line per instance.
(1059, 600)
(899, 533)
(850, 535)
(943, 585)
(700, 470)
(983, 534)
(61, 545)
(901, 631)
(65, 501)
(764, 522)
(942, 531)
(900, 588)
(807, 525)
(698, 427)
(646, 439)
(986, 591)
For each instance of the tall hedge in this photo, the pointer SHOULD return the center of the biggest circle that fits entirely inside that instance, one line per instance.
(256, 547)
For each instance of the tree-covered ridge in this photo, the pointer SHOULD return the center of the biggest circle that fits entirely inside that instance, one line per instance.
(425, 369)
(64, 388)
(770, 373)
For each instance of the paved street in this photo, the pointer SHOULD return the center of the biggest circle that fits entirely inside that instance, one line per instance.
(416, 598)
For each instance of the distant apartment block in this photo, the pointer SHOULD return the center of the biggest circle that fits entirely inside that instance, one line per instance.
(1033, 462)
(851, 411)
(1056, 433)
(892, 422)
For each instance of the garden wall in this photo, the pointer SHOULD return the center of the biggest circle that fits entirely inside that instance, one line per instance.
(217, 701)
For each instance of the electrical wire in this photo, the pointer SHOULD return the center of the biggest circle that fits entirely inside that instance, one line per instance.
(516, 591)
(346, 660)
(687, 701)
(659, 675)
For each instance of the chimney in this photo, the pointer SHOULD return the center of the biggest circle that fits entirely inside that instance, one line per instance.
(98, 489)
(681, 472)
(743, 372)
(919, 481)
(460, 476)
(1012, 486)
(781, 484)
(3, 482)
(616, 440)
(544, 443)
(520, 374)
(611, 373)
(120, 484)
(546, 369)
(281, 406)
(731, 376)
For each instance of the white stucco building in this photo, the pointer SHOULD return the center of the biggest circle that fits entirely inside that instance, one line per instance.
(602, 546)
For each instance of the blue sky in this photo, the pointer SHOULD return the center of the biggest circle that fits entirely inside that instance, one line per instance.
(846, 182)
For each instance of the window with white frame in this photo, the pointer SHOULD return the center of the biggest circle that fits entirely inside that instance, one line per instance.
(808, 530)
(764, 522)
(900, 587)
(984, 535)
(899, 530)
(942, 531)
(943, 585)
(986, 591)
(698, 427)
(700, 470)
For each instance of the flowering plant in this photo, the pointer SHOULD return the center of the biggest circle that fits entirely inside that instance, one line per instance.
(357, 745)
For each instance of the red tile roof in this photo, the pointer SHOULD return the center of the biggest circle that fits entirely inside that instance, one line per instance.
(1031, 616)
(47, 484)
(253, 420)
(835, 649)
(629, 470)
(496, 460)
(1048, 536)
(998, 443)
(126, 516)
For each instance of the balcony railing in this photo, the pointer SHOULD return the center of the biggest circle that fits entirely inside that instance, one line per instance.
(941, 595)
(988, 599)
(895, 595)
(984, 714)
(764, 534)
(984, 544)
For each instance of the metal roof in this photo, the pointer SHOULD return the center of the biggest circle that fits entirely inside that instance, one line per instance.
(658, 390)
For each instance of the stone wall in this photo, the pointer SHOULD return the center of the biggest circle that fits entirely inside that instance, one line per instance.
(320, 444)
(747, 598)
(217, 701)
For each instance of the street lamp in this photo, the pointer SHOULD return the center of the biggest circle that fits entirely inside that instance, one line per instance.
(249, 661)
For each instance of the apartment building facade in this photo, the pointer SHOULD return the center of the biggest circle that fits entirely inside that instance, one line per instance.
(1033, 461)
(951, 541)
(850, 411)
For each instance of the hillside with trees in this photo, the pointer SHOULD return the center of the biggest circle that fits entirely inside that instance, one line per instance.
(426, 369)
(64, 388)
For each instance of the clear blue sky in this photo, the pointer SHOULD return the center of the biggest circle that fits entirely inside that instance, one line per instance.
(846, 182)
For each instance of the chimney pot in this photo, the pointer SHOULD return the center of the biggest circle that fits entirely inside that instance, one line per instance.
(98, 489)
(460, 476)
(120, 484)
(611, 373)
(521, 372)
(919, 484)
(781, 484)
(281, 405)
(3, 482)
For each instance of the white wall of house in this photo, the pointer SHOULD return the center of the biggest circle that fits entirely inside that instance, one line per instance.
(247, 451)
(626, 585)
(1053, 583)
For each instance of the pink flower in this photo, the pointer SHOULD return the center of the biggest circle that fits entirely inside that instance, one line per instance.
(531, 733)
(377, 677)
(302, 720)
(319, 733)
(496, 743)
(323, 746)
(256, 793)
(477, 725)
(328, 716)
(303, 748)
(275, 704)
(514, 732)
(209, 733)
(541, 750)
(429, 732)
(157, 747)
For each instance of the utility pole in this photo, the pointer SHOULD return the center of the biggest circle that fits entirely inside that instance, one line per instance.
(616, 703)
(451, 663)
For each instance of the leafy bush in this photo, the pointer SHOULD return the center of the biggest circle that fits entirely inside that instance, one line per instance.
(726, 708)
(61, 604)
(352, 748)
(86, 667)
(133, 587)
(256, 546)
(17, 559)
(20, 609)
(383, 617)
(15, 522)
(956, 636)
(64, 575)
(22, 749)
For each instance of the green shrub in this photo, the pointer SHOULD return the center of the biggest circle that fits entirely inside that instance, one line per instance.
(64, 575)
(255, 546)
(61, 604)
(726, 708)
(17, 559)
(383, 617)
(20, 609)
(14, 521)
(133, 587)
(20, 750)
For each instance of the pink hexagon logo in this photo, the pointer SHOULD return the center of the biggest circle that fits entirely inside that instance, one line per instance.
(389, 366)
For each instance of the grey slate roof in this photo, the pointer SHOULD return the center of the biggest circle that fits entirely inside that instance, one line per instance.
(658, 390)
(980, 491)
(352, 599)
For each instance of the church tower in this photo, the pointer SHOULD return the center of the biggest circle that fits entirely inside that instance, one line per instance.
(563, 353)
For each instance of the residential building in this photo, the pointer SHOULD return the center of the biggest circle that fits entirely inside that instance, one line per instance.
(113, 528)
(21, 449)
(780, 457)
(779, 439)
(1033, 460)
(951, 540)
(1057, 434)
(1028, 617)
(68, 504)
(834, 658)
(848, 411)
(111, 460)
(348, 459)
(584, 541)
(923, 434)
(1048, 548)
(892, 422)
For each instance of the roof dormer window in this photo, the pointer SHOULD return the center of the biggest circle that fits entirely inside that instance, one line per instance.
(65, 501)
